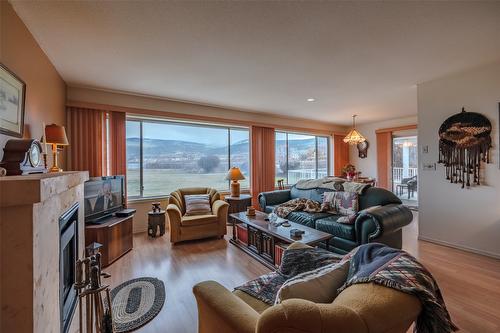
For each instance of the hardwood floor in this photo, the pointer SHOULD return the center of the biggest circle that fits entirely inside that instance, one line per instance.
(470, 283)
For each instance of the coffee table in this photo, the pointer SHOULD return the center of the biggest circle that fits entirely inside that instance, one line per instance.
(262, 236)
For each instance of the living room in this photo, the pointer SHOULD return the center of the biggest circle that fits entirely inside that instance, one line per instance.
(191, 163)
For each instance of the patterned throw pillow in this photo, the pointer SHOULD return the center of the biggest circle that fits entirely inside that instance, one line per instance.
(346, 203)
(197, 204)
(350, 219)
(328, 204)
(319, 285)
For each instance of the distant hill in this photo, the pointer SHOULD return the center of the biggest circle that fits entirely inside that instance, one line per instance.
(159, 147)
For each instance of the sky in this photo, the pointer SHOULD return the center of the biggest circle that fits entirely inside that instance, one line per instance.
(214, 136)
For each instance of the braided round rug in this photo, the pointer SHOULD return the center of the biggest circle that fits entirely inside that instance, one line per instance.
(136, 302)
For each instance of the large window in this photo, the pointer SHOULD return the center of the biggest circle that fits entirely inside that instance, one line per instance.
(300, 156)
(164, 156)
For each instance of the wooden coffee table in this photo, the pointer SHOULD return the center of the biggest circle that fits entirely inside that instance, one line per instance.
(262, 236)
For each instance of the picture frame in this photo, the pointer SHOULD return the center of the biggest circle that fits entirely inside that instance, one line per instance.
(12, 103)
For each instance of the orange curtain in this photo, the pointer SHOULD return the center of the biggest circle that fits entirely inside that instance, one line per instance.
(86, 128)
(341, 154)
(384, 160)
(117, 144)
(263, 155)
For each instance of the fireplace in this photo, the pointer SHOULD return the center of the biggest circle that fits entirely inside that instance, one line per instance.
(68, 255)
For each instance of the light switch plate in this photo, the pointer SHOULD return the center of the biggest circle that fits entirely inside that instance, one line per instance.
(429, 166)
(425, 149)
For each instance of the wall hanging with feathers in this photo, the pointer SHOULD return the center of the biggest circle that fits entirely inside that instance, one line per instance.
(464, 142)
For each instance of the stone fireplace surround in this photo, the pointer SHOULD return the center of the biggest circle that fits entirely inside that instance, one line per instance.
(30, 208)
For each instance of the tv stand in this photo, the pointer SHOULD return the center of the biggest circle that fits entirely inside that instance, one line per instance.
(114, 233)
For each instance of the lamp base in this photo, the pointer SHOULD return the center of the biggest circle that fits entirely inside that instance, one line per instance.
(55, 169)
(235, 189)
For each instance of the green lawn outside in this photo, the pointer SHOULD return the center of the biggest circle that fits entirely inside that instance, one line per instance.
(161, 182)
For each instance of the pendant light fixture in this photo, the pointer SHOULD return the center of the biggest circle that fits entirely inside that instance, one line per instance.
(354, 137)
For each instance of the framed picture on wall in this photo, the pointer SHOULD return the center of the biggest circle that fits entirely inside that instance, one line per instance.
(12, 98)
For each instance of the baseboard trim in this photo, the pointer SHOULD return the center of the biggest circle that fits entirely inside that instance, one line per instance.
(459, 247)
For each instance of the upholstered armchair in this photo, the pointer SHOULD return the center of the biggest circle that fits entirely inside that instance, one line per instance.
(184, 227)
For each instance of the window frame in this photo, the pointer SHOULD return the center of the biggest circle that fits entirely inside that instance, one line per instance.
(142, 120)
(316, 156)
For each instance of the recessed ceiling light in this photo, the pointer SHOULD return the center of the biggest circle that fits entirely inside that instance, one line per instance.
(311, 99)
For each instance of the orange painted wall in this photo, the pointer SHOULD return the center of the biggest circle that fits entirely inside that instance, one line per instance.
(45, 89)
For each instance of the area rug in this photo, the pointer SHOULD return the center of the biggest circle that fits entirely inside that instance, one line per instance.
(136, 302)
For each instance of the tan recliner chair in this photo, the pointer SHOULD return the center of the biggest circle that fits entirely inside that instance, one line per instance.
(197, 226)
(361, 308)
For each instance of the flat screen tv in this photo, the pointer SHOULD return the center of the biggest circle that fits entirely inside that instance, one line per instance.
(103, 196)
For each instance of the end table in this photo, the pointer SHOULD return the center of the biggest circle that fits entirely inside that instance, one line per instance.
(156, 220)
(238, 204)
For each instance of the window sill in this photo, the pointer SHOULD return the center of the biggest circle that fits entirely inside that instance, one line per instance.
(147, 199)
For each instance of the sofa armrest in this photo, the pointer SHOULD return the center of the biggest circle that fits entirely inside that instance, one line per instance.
(273, 198)
(381, 221)
(174, 215)
(222, 312)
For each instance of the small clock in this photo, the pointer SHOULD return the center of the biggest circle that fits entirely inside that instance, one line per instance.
(363, 149)
(22, 157)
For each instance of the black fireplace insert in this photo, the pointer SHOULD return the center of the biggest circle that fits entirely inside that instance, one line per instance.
(68, 255)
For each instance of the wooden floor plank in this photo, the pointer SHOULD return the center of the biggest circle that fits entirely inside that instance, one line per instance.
(470, 283)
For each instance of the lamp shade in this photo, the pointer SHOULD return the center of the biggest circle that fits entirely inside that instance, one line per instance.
(234, 174)
(354, 137)
(55, 134)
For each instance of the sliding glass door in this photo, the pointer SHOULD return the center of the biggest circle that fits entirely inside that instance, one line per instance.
(405, 168)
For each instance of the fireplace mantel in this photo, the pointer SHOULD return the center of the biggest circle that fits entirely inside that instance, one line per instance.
(30, 207)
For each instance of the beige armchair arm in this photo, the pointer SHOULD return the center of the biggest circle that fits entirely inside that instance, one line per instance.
(297, 315)
(219, 311)
(174, 221)
(220, 208)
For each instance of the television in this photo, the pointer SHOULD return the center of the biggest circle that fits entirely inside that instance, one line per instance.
(103, 196)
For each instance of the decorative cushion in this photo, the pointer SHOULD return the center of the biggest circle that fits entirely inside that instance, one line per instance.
(350, 219)
(346, 203)
(328, 204)
(347, 219)
(318, 286)
(193, 220)
(197, 204)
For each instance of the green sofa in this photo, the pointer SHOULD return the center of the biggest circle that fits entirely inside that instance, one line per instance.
(382, 224)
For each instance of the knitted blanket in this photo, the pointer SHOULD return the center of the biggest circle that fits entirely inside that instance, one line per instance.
(294, 262)
(396, 269)
(299, 204)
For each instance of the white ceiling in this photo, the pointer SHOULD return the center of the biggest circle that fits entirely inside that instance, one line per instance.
(353, 57)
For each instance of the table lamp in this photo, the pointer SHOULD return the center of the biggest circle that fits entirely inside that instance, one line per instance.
(55, 135)
(234, 174)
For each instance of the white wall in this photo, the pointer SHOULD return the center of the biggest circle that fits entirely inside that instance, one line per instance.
(465, 218)
(368, 165)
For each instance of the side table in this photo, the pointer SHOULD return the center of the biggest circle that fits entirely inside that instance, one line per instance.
(237, 204)
(156, 220)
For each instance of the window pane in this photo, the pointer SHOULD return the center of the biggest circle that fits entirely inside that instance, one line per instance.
(301, 157)
(178, 155)
(280, 157)
(322, 157)
(240, 154)
(133, 136)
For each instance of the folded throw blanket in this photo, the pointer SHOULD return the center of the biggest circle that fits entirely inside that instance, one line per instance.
(294, 262)
(299, 204)
(396, 269)
(325, 182)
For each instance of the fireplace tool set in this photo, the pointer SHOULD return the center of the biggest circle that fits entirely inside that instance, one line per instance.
(91, 291)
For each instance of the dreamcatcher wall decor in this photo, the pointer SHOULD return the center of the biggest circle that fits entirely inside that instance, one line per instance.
(464, 142)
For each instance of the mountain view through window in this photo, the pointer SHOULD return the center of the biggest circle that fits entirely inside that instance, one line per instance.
(177, 155)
